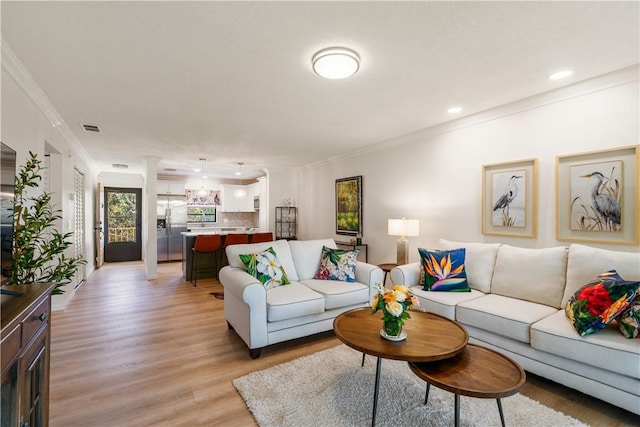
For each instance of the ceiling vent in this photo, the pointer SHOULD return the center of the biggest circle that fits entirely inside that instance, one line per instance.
(170, 169)
(119, 166)
(90, 128)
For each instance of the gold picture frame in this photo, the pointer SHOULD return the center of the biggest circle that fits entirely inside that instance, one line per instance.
(597, 196)
(509, 198)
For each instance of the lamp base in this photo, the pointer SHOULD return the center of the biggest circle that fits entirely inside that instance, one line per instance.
(403, 252)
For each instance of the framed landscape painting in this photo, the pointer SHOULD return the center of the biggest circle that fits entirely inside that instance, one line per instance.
(597, 196)
(349, 206)
(509, 195)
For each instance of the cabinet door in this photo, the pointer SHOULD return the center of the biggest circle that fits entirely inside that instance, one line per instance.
(34, 383)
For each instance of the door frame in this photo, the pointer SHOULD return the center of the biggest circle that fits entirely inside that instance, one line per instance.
(126, 251)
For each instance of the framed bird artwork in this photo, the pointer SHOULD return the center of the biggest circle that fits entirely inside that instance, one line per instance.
(597, 196)
(509, 198)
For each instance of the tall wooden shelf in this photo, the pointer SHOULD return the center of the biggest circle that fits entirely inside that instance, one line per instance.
(286, 223)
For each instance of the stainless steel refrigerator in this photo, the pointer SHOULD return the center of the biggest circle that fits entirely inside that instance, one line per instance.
(172, 221)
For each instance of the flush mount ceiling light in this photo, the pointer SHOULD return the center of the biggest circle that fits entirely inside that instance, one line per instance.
(560, 75)
(454, 110)
(335, 63)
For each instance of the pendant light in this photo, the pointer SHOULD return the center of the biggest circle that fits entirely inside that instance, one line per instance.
(202, 192)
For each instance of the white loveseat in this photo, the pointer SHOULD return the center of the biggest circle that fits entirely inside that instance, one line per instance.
(516, 306)
(306, 306)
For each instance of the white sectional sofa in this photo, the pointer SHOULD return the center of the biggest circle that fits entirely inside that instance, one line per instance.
(516, 306)
(306, 306)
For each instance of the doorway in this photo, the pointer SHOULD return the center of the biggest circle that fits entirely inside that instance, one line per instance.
(123, 224)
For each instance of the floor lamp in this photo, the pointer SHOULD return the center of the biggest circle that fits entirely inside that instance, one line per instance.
(403, 228)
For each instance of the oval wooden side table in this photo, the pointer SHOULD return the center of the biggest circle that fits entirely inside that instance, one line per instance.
(475, 372)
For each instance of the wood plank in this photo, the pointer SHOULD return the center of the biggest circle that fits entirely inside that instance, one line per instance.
(132, 352)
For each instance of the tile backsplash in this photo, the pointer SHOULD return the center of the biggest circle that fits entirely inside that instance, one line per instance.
(238, 219)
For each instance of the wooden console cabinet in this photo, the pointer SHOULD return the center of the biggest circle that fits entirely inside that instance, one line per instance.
(25, 343)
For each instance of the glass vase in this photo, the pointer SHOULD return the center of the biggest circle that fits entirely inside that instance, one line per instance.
(393, 328)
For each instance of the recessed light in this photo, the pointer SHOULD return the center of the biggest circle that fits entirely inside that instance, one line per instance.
(560, 75)
(204, 176)
(238, 173)
(196, 170)
(335, 63)
(454, 110)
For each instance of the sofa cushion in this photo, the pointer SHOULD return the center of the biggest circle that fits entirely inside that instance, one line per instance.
(444, 270)
(599, 301)
(281, 247)
(480, 258)
(585, 263)
(607, 349)
(306, 255)
(509, 317)
(339, 293)
(337, 264)
(629, 320)
(535, 275)
(294, 300)
(443, 303)
(266, 267)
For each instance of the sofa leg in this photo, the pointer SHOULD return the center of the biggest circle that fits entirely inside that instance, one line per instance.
(229, 326)
(255, 352)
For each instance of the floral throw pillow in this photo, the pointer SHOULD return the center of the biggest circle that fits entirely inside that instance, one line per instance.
(629, 320)
(337, 264)
(444, 270)
(265, 267)
(598, 302)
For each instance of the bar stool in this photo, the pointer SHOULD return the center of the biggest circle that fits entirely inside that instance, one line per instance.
(262, 237)
(234, 239)
(205, 244)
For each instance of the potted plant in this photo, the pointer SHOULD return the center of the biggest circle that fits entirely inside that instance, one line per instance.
(38, 247)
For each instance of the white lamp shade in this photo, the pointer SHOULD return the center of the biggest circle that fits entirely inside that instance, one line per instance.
(404, 227)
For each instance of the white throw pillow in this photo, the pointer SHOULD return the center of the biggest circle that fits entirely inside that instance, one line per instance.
(479, 260)
(586, 262)
(536, 275)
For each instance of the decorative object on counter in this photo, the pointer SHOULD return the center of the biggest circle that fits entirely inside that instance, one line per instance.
(38, 254)
(395, 305)
(403, 228)
(349, 206)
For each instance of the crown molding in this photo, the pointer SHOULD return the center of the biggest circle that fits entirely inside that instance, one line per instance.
(22, 77)
(605, 81)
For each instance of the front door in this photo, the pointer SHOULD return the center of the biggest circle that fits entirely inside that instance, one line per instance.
(123, 224)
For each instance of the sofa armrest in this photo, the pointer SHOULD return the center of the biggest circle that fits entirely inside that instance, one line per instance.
(370, 275)
(243, 286)
(406, 275)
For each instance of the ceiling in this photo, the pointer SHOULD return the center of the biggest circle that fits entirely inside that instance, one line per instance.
(232, 81)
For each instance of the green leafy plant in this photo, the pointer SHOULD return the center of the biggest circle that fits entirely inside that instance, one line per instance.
(38, 247)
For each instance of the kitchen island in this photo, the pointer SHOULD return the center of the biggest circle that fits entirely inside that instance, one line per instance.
(189, 240)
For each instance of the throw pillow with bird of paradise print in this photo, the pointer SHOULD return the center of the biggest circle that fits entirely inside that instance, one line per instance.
(444, 270)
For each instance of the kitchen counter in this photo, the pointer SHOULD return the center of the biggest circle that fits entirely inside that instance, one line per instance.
(219, 230)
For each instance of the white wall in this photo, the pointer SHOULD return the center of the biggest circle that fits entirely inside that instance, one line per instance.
(435, 174)
(26, 128)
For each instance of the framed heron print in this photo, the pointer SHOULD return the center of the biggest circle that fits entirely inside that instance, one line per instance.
(349, 206)
(597, 196)
(509, 198)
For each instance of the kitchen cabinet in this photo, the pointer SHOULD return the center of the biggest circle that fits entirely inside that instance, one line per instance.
(235, 198)
(170, 187)
(25, 347)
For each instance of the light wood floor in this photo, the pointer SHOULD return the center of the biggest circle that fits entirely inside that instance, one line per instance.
(132, 352)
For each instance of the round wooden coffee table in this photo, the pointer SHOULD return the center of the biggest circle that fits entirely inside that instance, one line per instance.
(475, 372)
(429, 338)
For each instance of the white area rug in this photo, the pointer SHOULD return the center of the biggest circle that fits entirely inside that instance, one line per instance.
(329, 388)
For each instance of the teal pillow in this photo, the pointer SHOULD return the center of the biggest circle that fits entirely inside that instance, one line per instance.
(265, 267)
(337, 264)
(444, 270)
(599, 301)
